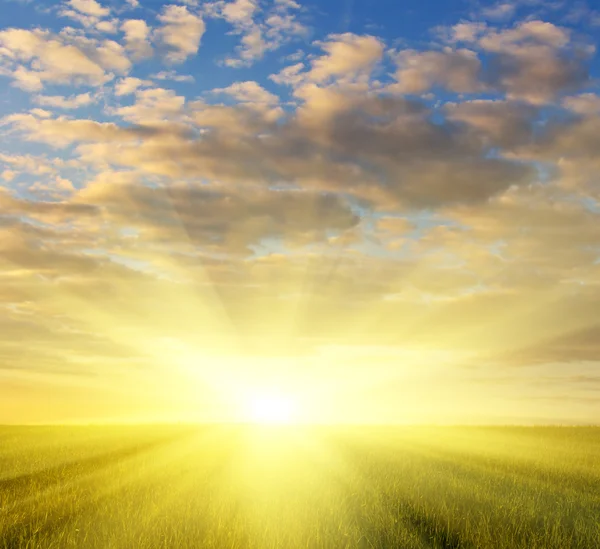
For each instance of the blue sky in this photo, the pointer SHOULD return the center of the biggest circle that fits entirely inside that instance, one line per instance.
(326, 197)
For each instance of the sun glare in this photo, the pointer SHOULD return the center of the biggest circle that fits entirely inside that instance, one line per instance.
(272, 408)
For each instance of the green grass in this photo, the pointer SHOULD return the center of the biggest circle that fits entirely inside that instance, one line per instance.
(244, 487)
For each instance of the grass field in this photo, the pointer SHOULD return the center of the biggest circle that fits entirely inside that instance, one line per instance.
(288, 487)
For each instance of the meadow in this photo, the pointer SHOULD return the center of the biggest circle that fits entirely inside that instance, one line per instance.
(288, 487)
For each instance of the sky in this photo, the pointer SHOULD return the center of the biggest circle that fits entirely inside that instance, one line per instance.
(381, 212)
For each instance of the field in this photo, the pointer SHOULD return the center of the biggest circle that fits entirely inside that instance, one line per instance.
(288, 487)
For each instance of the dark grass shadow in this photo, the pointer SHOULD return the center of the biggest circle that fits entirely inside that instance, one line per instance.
(437, 534)
(45, 478)
(32, 531)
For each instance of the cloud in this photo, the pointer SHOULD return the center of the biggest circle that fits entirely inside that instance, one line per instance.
(129, 85)
(29, 164)
(90, 14)
(571, 140)
(60, 102)
(585, 103)
(282, 26)
(219, 217)
(253, 45)
(549, 225)
(153, 106)
(89, 7)
(239, 12)
(180, 33)
(534, 61)
(111, 55)
(51, 212)
(463, 32)
(455, 70)
(568, 146)
(346, 55)
(137, 38)
(40, 113)
(254, 97)
(249, 92)
(525, 33)
(60, 132)
(8, 175)
(381, 147)
(262, 29)
(396, 226)
(38, 57)
(499, 12)
(291, 75)
(174, 76)
(499, 122)
(109, 27)
(52, 188)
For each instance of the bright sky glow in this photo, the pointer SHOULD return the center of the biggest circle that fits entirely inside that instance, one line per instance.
(272, 408)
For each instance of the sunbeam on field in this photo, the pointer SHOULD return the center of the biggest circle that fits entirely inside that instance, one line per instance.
(292, 487)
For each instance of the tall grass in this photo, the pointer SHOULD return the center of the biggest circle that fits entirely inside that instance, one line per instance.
(288, 487)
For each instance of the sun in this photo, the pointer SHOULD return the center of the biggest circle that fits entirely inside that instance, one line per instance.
(272, 409)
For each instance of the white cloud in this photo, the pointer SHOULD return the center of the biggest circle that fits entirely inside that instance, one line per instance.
(60, 102)
(153, 106)
(108, 26)
(129, 85)
(137, 38)
(55, 186)
(111, 55)
(90, 14)
(292, 75)
(464, 32)
(173, 76)
(282, 25)
(499, 12)
(41, 113)
(36, 57)
(239, 12)
(8, 175)
(249, 91)
(180, 34)
(346, 55)
(29, 164)
(253, 45)
(262, 29)
(63, 184)
(89, 7)
(62, 131)
(253, 96)
(523, 35)
(30, 80)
